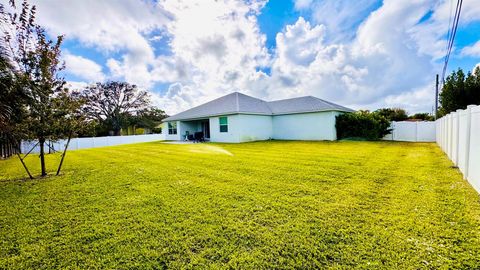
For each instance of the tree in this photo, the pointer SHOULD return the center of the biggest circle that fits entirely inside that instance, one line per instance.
(112, 103)
(472, 87)
(12, 97)
(362, 124)
(459, 91)
(49, 111)
(147, 118)
(393, 114)
(422, 116)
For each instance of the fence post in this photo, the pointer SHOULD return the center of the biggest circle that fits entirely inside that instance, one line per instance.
(451, 134)
(416, 131)
(467, 140)
(457, 131)
(447, 133)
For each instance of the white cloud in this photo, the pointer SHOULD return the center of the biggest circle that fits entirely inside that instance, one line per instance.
(372, 69)
(303, 4)
(72, 85)
(83, 68)
(216, 47)
(339, 16)
(473, 50)
(109, 27)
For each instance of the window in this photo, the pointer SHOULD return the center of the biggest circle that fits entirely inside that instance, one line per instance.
(223, 124)
(172, 128)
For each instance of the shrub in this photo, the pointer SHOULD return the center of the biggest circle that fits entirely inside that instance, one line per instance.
(362, 124)
(139, 131)
(393, 114)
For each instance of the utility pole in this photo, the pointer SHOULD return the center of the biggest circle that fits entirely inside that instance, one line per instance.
(436, 98)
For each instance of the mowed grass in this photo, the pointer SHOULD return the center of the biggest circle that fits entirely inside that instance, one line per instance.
(249, 206)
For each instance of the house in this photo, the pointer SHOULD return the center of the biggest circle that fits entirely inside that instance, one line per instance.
(240, 118)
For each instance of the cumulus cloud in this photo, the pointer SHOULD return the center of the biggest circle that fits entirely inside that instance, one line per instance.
(83, 68)
(346, 53)
(218, 47)
(473, 50)
(339, 16)
(372, 69)
(109, 27)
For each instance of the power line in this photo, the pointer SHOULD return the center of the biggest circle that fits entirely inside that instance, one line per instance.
(449, 24)
(451, 40)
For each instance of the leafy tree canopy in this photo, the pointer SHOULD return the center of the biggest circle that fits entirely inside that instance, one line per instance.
(34, 98)
(459, 91)
(362, 124)
(393, 114)
(112, 103)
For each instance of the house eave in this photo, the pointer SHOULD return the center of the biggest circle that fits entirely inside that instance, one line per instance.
(203, 117)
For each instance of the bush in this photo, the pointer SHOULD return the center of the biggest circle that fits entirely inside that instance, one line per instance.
(362, 124)
(139, 131)
(393, 114)
(157, 130)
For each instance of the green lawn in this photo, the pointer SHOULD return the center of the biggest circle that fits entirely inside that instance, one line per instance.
(253, 205)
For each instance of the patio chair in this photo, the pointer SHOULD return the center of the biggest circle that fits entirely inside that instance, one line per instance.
(199, 137)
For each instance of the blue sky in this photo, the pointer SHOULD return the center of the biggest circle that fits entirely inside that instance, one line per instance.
(365, 53)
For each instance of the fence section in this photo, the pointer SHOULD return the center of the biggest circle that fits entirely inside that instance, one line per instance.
(7, 149)
(412, 131)
(90, 142)
(458, 134)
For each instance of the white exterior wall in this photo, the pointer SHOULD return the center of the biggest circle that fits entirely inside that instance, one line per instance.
(172, 137)
(254, 127)
(250, 127)
(234, 129)
(458, 134)
(305, 126)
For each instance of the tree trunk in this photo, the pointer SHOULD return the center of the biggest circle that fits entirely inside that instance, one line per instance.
(42, 156)
(64, 153)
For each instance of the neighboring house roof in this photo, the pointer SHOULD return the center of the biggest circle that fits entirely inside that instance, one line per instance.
(240, 103)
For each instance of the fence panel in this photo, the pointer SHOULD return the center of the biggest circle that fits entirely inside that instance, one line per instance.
(458, 135)
(93, 142)
(412, 131)
(7, 149)
(464, 117)
(426, 131)
(473, 175)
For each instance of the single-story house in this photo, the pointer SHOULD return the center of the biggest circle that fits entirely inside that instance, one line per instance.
(240, 118)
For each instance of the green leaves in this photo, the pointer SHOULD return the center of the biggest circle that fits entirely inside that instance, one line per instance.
(362, 124)
(113, 103)
(459, 91)
(41, 108)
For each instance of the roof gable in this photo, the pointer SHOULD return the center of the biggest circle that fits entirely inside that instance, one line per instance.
(229, 104)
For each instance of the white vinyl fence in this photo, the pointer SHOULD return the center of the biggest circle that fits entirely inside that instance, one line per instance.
(412, 131)
(458, 134)
(92, 142)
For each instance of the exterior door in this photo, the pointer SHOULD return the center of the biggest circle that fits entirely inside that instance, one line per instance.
(206, 129)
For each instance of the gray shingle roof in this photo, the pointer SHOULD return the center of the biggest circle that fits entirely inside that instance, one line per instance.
(240, 103)
(304, 104)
